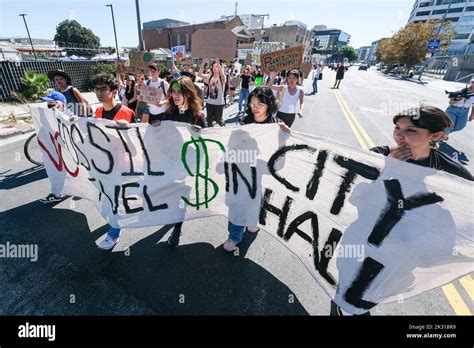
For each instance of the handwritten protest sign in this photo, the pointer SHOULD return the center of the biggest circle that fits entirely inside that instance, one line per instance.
(178, 52)
(148, 94)
(260, 48)
(139, 61)
(282, 60)
(212, 43)
(369, 228)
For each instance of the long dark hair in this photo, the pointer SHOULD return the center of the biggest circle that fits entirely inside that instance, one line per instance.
(132, 87)
(189, 92)
(265, 95)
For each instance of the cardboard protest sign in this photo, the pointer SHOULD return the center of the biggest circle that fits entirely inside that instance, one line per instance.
(139, 61)
(368, 228)
(148, 94)
(214, 43)
(282, 60)
(178, 52)
(306, 69)
(260, 48)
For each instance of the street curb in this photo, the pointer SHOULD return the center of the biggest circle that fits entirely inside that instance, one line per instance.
(15, 133)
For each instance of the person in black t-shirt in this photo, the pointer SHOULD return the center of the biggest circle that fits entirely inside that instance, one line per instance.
(185, 106)
(262, 107)
(416, 134)
(247, 79)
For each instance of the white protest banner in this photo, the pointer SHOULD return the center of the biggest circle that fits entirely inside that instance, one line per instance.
(260, 48)
(369, 228)
(148, 94)
(178, 52)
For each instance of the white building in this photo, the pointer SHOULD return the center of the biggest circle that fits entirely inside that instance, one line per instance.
(363, 53)
(251, 21)
(459, 12)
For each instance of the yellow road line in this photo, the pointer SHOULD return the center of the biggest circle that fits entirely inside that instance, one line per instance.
(359, 127)
(453, 296)
(468, 284)
(359, 137)
(455, 300)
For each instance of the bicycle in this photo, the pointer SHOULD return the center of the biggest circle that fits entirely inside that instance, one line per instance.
(32, 150)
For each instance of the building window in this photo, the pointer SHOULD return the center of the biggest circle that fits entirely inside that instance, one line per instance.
(469, 9)
(178, 39)
(426, 4)
(454, 10)
(454, 19)
(461, 37)
(187, 42)
(446, 2)
(439, 12)
(467, 19)
(423, 13)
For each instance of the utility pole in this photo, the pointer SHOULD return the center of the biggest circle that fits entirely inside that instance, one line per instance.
(31, 42)
(115, 33)
(139, 24)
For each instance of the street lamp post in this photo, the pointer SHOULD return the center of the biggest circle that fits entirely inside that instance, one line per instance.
(31, 42)
(115, 32)
(139, 23)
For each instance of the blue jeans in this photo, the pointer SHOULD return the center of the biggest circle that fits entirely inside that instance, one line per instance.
(315, 85)
(459, 118)
(113, 232)
(236, 232)
(243, 96)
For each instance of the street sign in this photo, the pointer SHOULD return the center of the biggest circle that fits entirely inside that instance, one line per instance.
(434, 44)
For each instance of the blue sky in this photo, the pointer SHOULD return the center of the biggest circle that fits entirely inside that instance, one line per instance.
(364, 20)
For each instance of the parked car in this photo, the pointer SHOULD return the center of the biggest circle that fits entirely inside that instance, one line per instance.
(363, 67)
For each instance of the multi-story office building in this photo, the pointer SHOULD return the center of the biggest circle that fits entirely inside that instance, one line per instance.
(252, 21)
(363, 53)
(372, 55)
(459, 12)
(328, 41)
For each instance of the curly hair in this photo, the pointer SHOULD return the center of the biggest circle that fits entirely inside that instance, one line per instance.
(265, 95)
(189, 93)
(426, 117)
(105, 79)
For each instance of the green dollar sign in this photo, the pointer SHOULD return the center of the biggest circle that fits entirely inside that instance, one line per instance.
(200, 174)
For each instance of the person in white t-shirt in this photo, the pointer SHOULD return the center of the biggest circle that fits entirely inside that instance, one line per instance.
(458, 110)
(151, 112)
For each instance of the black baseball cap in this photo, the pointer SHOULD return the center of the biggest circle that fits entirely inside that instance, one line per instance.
(153, 66)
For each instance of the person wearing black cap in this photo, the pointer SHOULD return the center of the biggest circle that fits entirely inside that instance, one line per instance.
(417, 133)
(75, 101)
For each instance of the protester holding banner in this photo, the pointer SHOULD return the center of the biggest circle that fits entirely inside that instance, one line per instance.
(185, 106)
(215, 102)
(417, 133)
(262, 107)
(75, 101)
(152, 111)
(290, 96)
(106, 88)
(141, 105)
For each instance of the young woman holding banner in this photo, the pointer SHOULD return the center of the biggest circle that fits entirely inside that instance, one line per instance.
(185, 106)
(416, 134)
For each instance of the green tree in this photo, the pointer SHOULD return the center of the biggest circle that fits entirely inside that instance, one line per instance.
(34, 85)
(408, 46)
(74, 37)
(104, 68)
(349, 52)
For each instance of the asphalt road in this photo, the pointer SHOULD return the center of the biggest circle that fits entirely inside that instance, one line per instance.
(143, 275)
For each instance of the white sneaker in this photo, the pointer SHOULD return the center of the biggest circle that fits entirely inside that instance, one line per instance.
(229, 245)
(108, 243)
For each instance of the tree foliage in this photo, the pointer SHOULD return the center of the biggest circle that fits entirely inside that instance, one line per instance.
(410, 44)
(72, 33)
(34, 85)
(350, 53)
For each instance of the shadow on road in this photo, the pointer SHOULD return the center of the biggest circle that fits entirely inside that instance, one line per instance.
(194, 279)
(14, 180)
